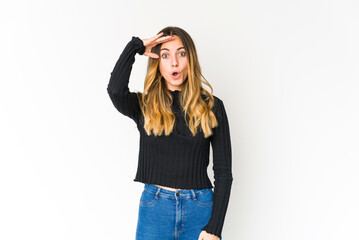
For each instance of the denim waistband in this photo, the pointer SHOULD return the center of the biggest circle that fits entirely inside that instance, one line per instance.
(183, 193)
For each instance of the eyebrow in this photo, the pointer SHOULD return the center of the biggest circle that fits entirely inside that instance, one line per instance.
(168, 49)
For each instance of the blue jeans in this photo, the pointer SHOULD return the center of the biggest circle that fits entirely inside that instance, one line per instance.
(173, 215)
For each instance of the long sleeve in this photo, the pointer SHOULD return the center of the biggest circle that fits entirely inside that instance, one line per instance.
(222, 167)
(125, 102)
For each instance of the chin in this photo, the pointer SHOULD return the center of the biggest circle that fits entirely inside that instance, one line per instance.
(172, 82)
(177, 83)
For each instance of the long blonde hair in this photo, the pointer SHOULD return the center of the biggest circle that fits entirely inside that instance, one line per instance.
(156, 99)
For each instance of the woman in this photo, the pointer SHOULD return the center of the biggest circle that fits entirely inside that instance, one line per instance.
(177, 120)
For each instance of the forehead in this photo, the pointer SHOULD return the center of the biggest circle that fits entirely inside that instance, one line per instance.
(172, 45)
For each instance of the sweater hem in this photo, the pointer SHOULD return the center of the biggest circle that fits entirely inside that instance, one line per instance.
(173, 185)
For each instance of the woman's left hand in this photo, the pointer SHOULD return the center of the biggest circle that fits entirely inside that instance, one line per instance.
(207, 236)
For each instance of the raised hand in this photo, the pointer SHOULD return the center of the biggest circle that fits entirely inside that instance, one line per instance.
(149, 43)
(207, 236)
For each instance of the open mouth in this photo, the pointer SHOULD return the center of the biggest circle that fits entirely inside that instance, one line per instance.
(175, 74)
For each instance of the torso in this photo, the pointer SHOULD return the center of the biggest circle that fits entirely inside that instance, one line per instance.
(168, 188)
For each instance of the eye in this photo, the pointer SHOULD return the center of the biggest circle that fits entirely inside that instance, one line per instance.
(163, 55)
(184, 54)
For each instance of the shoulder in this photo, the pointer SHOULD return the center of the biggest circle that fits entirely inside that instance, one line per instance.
(219, 109)
(217, 99)
(218, 103)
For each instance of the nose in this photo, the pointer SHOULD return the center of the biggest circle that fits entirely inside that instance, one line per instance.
(174, 62)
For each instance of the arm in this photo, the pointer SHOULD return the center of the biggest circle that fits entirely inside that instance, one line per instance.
(125, 102)
(222, 167)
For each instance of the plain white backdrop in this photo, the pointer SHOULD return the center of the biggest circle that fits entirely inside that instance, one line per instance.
(287, 72)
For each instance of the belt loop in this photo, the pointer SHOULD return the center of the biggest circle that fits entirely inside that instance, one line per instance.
(193, 193)
(158, 191)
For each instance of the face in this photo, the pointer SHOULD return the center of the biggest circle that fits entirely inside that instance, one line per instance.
(173, 59)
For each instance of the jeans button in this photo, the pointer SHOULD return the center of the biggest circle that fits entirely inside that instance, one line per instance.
(177, 194)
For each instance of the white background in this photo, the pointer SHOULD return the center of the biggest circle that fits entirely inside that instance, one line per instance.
(287, 72)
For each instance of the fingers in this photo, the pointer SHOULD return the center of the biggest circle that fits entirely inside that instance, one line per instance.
(156, 41)
(161, 40)
(165, 39)
(157, 36)
(152, 55)
(153, 41)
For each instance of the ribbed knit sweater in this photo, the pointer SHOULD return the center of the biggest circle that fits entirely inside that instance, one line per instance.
(179, 160)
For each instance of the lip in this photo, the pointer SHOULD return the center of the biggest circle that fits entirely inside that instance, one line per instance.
(175, 77)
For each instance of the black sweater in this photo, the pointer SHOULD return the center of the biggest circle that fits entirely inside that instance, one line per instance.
(178, 160)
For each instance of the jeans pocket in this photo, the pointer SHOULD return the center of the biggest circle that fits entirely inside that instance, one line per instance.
(204, 198)
(148, 198)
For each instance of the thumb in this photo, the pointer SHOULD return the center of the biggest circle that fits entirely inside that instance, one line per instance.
(150, 54)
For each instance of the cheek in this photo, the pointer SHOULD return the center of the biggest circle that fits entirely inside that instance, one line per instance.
(185, 68)
(163, 68)
(185, 63)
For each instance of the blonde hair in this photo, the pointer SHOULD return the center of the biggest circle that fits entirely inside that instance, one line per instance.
(156, 100)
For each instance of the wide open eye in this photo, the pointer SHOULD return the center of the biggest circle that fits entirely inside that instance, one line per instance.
(184, 54)
(163, 55)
